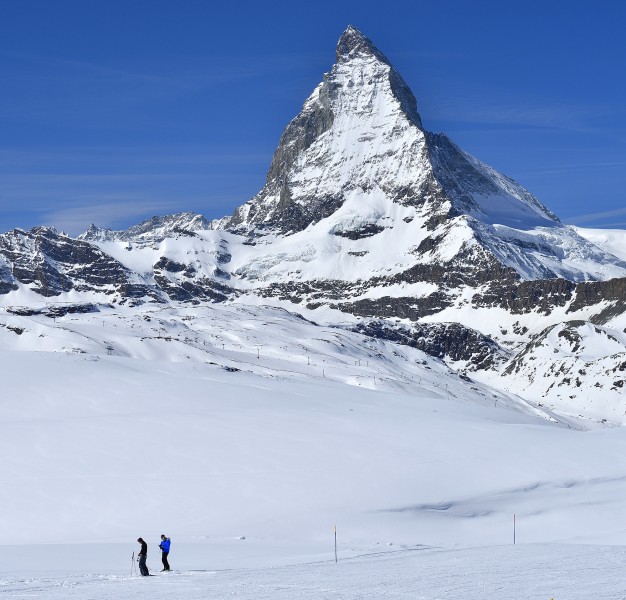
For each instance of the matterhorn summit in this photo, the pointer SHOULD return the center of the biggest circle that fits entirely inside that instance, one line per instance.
(343, 145)
(357, 163)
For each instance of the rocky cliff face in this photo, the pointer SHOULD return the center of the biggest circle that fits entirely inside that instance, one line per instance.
(370, 222)
(50, 265)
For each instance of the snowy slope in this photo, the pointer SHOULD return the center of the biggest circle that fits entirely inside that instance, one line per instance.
(227, 422)
(610, 240)
(247, 434)
(152, 380)
(512, 572)
(153, 230)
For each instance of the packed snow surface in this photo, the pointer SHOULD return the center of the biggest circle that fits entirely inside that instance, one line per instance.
(521, 572)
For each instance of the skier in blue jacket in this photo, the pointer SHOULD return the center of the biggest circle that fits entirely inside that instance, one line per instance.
(165, 550)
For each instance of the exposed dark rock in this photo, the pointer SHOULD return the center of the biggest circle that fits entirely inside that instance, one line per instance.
(7, 281)
(526, 296)
(169, 265)
(571, 334)
(50, 264)
(193, 291)
(596, 292)
(364, 232)
(403, 308)
(443, 340)
(223, 257)
(472, 267)
(58, 310)
(428, 244)
(296, 291)
(71, 309)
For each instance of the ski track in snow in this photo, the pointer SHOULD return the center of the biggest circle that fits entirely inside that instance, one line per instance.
(520, 572)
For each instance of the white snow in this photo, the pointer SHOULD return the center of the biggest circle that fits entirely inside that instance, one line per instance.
(550, 571)
(610, 240)
(133, 423)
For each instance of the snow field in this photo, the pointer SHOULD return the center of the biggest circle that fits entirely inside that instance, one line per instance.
(246, 434)
(115, 446)
(543, 571)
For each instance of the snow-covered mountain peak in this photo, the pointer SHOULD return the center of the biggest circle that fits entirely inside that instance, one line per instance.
(353, 43)
(357, 162)
(155, 229)
(359, 129)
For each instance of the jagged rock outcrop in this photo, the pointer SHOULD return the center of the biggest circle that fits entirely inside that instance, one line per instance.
(153, 230)
(50, 264)
(450, 341)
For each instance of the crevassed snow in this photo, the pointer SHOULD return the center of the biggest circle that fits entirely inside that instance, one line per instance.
(610, 240)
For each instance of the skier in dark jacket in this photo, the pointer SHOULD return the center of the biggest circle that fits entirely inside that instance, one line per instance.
(141, 557)
(165, 550)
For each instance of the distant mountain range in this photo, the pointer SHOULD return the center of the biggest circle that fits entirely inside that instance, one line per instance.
(371, 223)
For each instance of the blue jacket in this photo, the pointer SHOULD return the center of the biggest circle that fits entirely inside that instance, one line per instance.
(165, 545)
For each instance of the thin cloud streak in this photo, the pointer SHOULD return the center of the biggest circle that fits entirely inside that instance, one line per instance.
(493, 107)
(125, 158)
(574, 167)
(79, 90)
(112, 213)
(600, 216)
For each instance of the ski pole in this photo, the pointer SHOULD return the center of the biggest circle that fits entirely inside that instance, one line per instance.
(132, 563)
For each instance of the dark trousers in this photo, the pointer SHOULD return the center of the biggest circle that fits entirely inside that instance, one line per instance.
(166, 565)
(142, 565)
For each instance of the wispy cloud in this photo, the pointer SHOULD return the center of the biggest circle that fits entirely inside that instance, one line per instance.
(116, 186)
(110, 212)
(509, 111)
(494, 107)
(81, 90)
(605, 218)
(72, 203)
(574, 167)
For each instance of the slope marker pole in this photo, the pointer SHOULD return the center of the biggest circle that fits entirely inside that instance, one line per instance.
(335, 544)
(514, 528)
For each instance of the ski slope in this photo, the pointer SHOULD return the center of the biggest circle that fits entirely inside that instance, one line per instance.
(572, 572)
(247, 433)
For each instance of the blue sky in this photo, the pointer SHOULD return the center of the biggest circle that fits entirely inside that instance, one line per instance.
(114, 111)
